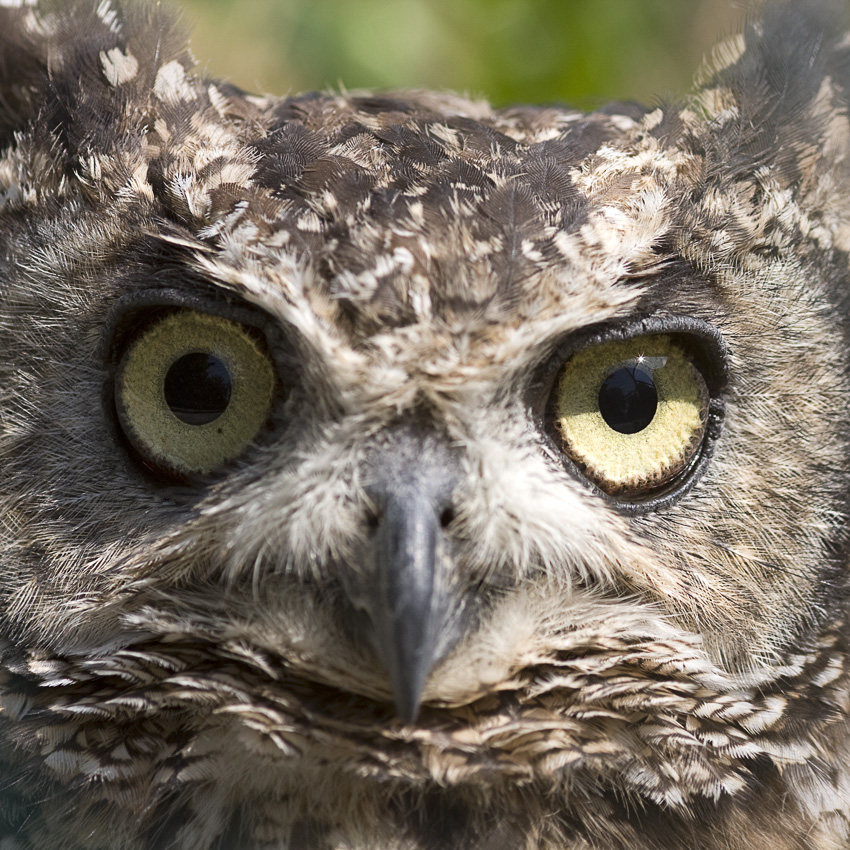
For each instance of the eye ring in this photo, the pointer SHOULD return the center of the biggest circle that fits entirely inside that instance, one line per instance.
(701, 347)
(192, 390)
(631, 413)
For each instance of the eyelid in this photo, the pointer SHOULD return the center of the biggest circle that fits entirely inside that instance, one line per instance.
(133, 311)
(702, 340)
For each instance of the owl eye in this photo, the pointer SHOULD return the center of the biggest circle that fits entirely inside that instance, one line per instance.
(631, 413)
(192, 391)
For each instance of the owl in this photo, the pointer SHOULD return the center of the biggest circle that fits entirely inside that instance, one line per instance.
(385, 471)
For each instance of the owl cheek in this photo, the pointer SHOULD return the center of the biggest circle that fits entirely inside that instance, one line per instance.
(410, 608)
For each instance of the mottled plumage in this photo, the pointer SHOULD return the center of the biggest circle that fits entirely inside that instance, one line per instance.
(403, 611)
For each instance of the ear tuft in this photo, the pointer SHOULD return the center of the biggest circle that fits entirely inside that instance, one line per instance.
(777, 96)
(777, 64)
(71, 63)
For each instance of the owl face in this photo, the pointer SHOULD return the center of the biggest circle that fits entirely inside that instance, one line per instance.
(384, 470)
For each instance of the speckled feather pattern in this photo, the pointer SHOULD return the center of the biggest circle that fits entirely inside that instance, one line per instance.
(173, 669)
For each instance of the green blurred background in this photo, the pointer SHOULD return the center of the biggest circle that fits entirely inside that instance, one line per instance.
(580, 52)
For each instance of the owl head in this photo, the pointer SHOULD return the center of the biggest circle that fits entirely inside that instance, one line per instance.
(384, 470)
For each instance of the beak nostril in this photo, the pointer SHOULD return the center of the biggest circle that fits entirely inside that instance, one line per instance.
(373, 520)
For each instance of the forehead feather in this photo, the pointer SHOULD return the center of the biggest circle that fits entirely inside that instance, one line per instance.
(401, 214)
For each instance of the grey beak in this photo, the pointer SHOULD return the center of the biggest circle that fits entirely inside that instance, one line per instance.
(415, 609)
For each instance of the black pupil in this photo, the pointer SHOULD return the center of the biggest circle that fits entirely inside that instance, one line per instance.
(197, 388)
(628, 399)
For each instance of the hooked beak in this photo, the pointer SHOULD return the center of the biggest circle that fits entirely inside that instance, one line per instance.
(415, 610)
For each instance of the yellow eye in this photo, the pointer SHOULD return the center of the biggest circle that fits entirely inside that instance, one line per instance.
(193, 390)
(631, 413)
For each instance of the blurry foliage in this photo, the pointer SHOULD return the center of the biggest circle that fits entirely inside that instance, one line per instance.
(580, 52)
